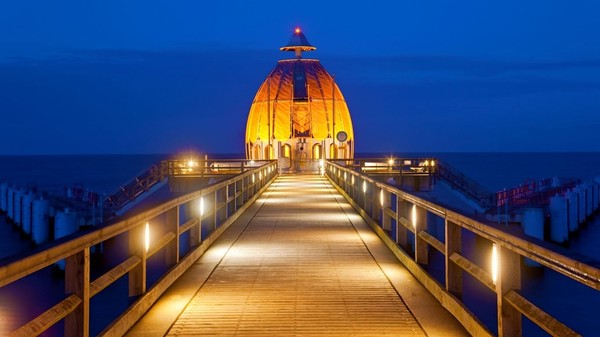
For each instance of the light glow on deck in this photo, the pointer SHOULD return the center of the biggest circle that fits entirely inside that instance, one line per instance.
(147, 236)
(495, 263)
(201, 206)
(413, 216)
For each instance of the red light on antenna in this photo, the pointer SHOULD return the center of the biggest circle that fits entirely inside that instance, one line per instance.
(297, 30)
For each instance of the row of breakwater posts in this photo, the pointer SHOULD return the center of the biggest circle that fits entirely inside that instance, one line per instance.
(551, 209)
(175, 233)
(44, 216)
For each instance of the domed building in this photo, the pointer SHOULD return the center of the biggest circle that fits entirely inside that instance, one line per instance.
(299, 114)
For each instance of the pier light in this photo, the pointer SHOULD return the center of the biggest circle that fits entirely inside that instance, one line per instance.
(345, 175)
(352, 180)
(432, 163)
(191, 163)
(495, 263)
(391, 161)
(147, 236)
(253, 178)
(413, 216)
(364, 186)
(381, 197)
(260, 175)
(426, 162)
(201, 206)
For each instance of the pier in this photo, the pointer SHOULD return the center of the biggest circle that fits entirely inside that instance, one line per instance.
(299, 260)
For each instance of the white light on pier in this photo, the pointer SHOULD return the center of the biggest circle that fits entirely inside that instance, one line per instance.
(381, 197)
(364, 186)
(201, 206)
(147, 236)
(413, 216)
(495, 263)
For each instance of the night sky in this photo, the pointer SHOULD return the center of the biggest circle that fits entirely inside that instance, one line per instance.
(110, 77)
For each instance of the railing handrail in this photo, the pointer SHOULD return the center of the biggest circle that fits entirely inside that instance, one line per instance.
(511, 245)
(556, 261)
(56, 251)
(466, 184)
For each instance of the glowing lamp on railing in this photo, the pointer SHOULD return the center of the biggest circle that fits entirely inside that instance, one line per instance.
(253, 178)
(495, 263)
(364, 186)
(352, 180)
(413, 215)
(381, 196)
(147, 236)
(201, 206)
(260, 175)
(391, 161)
(345, 176)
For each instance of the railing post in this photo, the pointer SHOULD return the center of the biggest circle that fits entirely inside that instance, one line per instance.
(195, 231)
(453, 245)
(137, 276)
(420, 224)
(77, 281)
(376, 203)
(216, 209)
(239, 194)
(227, 201)
(509, 278)
(401, 231)
(172, 249)
(386, 220)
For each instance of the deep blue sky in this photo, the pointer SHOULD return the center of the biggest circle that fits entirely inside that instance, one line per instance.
(171, 76)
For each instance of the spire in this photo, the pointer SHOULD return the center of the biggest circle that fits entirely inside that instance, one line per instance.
(298, 43)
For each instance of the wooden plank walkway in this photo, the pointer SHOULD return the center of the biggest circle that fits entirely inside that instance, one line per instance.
(299, 268)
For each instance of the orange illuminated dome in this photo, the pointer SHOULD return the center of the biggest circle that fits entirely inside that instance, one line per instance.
(299, 114)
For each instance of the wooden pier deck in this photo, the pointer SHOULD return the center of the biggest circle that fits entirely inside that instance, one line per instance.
(300, 262)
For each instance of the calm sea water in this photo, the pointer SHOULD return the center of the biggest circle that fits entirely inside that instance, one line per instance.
(496, 171)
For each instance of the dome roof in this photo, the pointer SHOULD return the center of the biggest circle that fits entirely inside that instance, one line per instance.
(299, 98)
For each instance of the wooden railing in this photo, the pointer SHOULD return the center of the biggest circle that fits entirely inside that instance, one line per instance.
(466, 185)
(156, 173)
(202, 215)
(400, 219)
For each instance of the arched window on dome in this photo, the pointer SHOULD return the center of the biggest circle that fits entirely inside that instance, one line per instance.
(256, 152)
(286, 151)
(269, 152)
(333, 151)
(317, 151)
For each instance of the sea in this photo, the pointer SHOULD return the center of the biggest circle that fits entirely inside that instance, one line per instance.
(571, 303)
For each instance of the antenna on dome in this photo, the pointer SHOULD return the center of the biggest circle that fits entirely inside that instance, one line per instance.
(298, 43)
